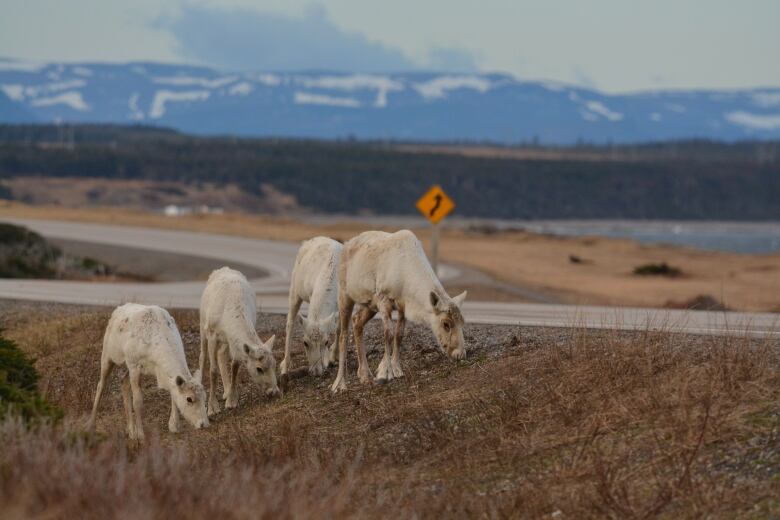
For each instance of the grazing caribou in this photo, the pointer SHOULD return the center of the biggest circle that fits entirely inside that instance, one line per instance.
(228, 315)
(315, 281)
(381, 272)
(146, 340)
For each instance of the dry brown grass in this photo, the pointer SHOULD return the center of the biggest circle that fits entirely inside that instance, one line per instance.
(589, 423)
(92, 192)
(60, 473)
(537, 262)
(531, 153)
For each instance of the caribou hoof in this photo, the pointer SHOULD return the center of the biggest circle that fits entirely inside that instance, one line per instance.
(339, 385)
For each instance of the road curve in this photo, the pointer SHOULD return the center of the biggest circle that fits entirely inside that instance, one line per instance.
(277, 258)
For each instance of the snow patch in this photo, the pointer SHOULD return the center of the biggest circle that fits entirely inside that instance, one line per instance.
(81, 71)
(766, 99)
(270, 80)
(161, 97)
(352, 82)
(307, 98)
(438, 88)
(188, 81)
(135, 112)
(382, 84)
(53, 87)
(241, 89)
(381, 99)
(15, 92)
(754, 121)
(72, 99)
(597, 107)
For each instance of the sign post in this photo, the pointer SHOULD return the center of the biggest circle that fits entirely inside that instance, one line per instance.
(435, 205)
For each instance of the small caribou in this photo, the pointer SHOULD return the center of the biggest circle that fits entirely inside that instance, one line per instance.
(227, 329)
(381, 272)
(146, 340)
(315, 281)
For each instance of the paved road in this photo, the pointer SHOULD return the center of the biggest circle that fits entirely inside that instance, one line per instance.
(277, 259)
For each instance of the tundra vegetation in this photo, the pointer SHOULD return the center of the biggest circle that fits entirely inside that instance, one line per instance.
(660, 269)
(535, 422)
(26, 254)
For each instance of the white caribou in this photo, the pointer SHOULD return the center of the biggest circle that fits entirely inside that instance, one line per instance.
(146, 340)
(315, 281)
(228, 315)
(382, 272)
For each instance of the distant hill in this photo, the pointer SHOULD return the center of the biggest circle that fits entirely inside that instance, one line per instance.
(14, 112)
(678, 180)
(405, 106)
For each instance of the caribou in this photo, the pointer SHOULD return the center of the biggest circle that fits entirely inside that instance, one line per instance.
(384, 272)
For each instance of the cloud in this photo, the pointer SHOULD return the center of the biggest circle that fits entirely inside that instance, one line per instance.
(658, 80)
(243, 39)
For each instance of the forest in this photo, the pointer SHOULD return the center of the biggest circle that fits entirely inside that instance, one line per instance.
(675, 180)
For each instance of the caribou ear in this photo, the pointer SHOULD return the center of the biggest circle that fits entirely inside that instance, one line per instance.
(434, 300)
(198, 376)
(247, 349)
(270, 343)
(179, 380)
(458, 300)
(329, 323)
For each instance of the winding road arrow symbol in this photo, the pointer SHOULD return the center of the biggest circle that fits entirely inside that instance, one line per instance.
(438, 198)
(435, 204)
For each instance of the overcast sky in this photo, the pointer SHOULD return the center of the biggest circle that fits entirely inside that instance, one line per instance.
(613, 45)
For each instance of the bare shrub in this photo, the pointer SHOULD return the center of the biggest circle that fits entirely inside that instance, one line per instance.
(61, 473)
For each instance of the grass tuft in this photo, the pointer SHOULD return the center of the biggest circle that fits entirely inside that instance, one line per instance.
(662, 269)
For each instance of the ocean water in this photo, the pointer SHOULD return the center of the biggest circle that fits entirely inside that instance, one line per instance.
(740, 237)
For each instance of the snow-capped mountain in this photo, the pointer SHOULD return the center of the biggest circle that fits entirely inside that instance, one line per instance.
(404, 106)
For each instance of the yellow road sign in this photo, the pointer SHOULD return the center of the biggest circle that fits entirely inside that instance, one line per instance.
(435, 204)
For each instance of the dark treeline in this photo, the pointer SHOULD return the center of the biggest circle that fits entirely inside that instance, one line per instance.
(679, 180)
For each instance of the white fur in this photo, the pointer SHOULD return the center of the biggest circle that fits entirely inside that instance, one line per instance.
(315, 281)
(146, 340)
(227, 330)
(382, 272)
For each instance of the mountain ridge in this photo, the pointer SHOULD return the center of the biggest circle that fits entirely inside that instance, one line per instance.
(424, 106)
